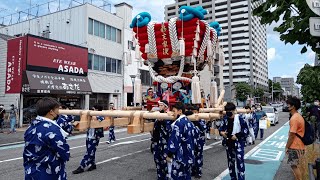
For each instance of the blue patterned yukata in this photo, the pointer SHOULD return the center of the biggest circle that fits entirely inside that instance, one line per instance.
(234, 148)
(200, 140)
(46, 150)
(181, 148)
(92, 142)
(112, 137)
(65, 122)
(161, 132)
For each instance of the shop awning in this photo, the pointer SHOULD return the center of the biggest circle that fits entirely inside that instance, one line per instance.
(40, 82)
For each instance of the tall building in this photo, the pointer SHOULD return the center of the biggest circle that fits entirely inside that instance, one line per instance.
(243, 38)
(288, 85)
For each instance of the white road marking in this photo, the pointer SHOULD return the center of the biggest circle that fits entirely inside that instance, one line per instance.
(14, 159)
(226, 171)
(118, 157)
(267, 155)
(104, 142)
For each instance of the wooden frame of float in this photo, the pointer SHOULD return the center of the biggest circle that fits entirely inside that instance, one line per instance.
(135, 119)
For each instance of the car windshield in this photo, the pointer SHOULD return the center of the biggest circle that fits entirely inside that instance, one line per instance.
(268, 110)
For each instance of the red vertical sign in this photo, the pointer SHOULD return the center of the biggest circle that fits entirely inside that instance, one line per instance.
(16, 63)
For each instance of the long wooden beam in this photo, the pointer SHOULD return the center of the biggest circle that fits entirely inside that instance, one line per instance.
(135, 120)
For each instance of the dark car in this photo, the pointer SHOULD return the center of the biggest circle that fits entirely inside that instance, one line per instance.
(29, 113)
(285, 108)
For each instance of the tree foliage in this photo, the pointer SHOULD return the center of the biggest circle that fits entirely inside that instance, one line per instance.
(295, 26)
(243, 90)
(259, 92)
(309, 78)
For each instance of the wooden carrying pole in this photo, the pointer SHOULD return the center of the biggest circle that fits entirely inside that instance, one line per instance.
(136, 125)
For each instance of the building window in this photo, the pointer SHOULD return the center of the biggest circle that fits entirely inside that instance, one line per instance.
(130, 45)
(90, 58)
(145, 78)
(102, 30)
(102, 63)
(118, 36)
(119, 67)
(90, 26)
(108, 64)
(113, 34)
(114, 66)
(96, 62)
(108, 30)
(96, 28)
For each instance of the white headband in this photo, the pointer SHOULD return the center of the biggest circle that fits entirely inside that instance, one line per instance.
(160, 102)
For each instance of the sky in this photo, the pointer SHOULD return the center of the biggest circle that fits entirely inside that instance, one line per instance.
(283, 60)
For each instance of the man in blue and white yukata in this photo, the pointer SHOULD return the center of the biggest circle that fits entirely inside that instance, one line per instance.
(92, 142)
(201, 127)
(180, 156)
(46, 150)
(65, 121)
(160, 136)
(234, 141)
(112, 137)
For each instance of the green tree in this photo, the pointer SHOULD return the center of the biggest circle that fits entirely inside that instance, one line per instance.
(295, 26)
(309, 78)
(259, 92)
(243, 90)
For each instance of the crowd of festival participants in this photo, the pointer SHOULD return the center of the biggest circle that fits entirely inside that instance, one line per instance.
(177, 145)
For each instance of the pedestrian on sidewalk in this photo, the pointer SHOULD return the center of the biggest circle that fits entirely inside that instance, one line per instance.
(295, 148)
(2, 113)
(160, 136)
(250, 120)
(46, 150)
(259, 115)
(201, 127)
(13, 115)
(112, 137)
(180, 155)
(92, 142)
(234, 141)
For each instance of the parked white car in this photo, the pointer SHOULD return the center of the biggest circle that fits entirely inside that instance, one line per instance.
(272, 114)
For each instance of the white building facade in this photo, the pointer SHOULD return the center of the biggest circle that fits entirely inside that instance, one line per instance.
(101, 32)
(243, 39)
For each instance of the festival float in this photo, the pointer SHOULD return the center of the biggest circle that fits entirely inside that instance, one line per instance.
(175, 52)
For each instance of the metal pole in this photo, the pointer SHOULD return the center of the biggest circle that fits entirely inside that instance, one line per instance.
(272, 91)
(133, 93)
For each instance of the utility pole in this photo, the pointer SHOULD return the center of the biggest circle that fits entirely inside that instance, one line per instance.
(272, 92)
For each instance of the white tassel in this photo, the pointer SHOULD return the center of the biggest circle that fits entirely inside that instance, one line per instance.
(213, 93)
(197, 37)
(182, 47)
(198, 29)
(209, 49)
(195, 44)
(195, 88)
(195, 52)
(137, 90)
(138, 55)
(146, 48)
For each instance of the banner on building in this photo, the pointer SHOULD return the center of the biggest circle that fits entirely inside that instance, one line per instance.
(16, 58)
(56, 57)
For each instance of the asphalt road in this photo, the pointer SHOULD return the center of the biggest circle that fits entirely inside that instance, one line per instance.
(129, 158)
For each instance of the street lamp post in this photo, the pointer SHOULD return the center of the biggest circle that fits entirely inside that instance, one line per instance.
(132, 80)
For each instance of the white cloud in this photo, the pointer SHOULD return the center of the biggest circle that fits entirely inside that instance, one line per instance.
(271, 54)
(310, 55)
